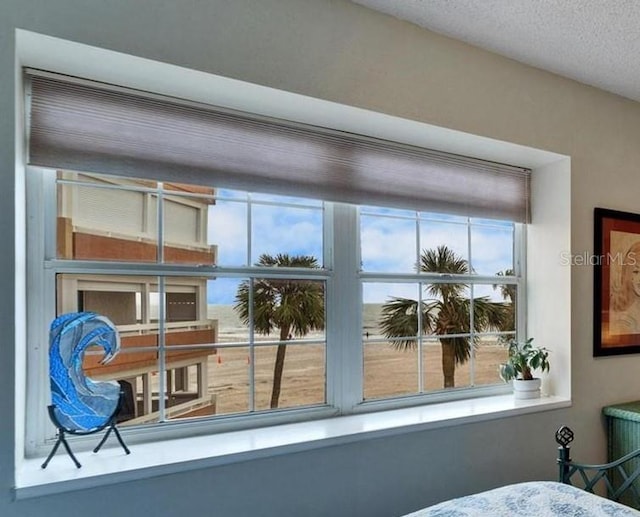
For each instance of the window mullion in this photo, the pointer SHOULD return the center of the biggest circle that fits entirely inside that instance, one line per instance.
(249, 230)
(252, 349)
(344, 311)
(162, 370)
(420, 340)
(520, 266)
(162, 354)
(41, 219)
(472, 366)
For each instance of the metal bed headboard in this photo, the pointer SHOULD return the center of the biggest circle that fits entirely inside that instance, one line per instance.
(616, 477)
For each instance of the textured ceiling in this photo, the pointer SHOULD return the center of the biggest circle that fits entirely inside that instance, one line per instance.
(596, 42)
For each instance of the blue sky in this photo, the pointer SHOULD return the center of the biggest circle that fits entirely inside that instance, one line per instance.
(295, 230)
(389, 240)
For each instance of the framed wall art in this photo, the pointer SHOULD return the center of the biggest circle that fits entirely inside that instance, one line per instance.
(616, 265)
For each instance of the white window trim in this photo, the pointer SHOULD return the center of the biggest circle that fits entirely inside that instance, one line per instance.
(148, 460)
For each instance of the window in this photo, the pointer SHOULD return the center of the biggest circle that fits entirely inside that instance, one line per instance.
(458, 274)
(205, 333)
(291, 301)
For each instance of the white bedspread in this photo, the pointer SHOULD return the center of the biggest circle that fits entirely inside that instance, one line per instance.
(536, 499)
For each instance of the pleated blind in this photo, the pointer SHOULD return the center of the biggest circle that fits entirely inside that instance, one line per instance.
(88, 127)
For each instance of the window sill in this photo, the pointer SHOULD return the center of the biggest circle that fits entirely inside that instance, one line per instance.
(111, 465)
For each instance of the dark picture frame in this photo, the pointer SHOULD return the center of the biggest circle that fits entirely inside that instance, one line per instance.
(616, 283)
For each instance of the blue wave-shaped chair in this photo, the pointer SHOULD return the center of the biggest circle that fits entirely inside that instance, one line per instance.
(81, 406)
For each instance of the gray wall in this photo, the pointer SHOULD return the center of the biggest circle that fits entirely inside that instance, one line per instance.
(339, 51)
(380, 477)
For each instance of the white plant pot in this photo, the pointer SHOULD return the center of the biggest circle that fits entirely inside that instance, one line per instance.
(526, 389)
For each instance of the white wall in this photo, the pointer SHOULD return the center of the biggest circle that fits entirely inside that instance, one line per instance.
(338, 51)
(548, 278)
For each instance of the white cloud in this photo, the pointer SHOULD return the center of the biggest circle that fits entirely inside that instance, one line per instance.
(301, 237)
(491, 250)
(388, 245)
(454, 236)
(227, 228)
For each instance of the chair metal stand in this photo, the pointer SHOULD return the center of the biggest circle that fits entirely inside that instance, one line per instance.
(110, 425)
(61, 440)
(113, 428)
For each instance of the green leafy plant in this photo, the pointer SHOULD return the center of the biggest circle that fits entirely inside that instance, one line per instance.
(524, 358)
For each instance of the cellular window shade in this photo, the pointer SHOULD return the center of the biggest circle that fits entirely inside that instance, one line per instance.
(90, 127)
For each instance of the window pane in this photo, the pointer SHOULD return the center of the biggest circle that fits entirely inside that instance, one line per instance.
(481, 369)
(229, 377)
(104, 219)
(444, 218)
(376, 235)
(490, 353)
(227, 229)
(137, 374)
(492, 249)
(296, 232)
(380, 210)
(289, 200)
(390, 365)
(389, 309)
(447, 308)
(190, 371)
(186, 234)
(229, 380)
(223, 308)
(390, 370)
(494, 308)
(215, 382)
(125, 300)
(303, 375)
(433, 367)
(285, 308)
(435, 234)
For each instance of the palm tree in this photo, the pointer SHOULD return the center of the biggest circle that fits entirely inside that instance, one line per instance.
(295, 307)
(445, 311)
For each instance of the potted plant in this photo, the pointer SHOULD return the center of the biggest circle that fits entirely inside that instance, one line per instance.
(523, 359)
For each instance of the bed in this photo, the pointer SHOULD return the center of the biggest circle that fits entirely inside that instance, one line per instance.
(533, 499)
(572, 495)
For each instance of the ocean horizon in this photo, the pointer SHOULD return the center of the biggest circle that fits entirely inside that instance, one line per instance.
(229, 322)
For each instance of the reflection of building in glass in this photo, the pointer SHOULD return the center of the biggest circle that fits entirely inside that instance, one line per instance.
(115, 219)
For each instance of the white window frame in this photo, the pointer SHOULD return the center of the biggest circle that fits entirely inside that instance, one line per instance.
(421, 278)
(344, 350)
(42, 268)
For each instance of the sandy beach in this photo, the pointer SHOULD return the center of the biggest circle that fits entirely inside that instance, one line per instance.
(387, 372)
